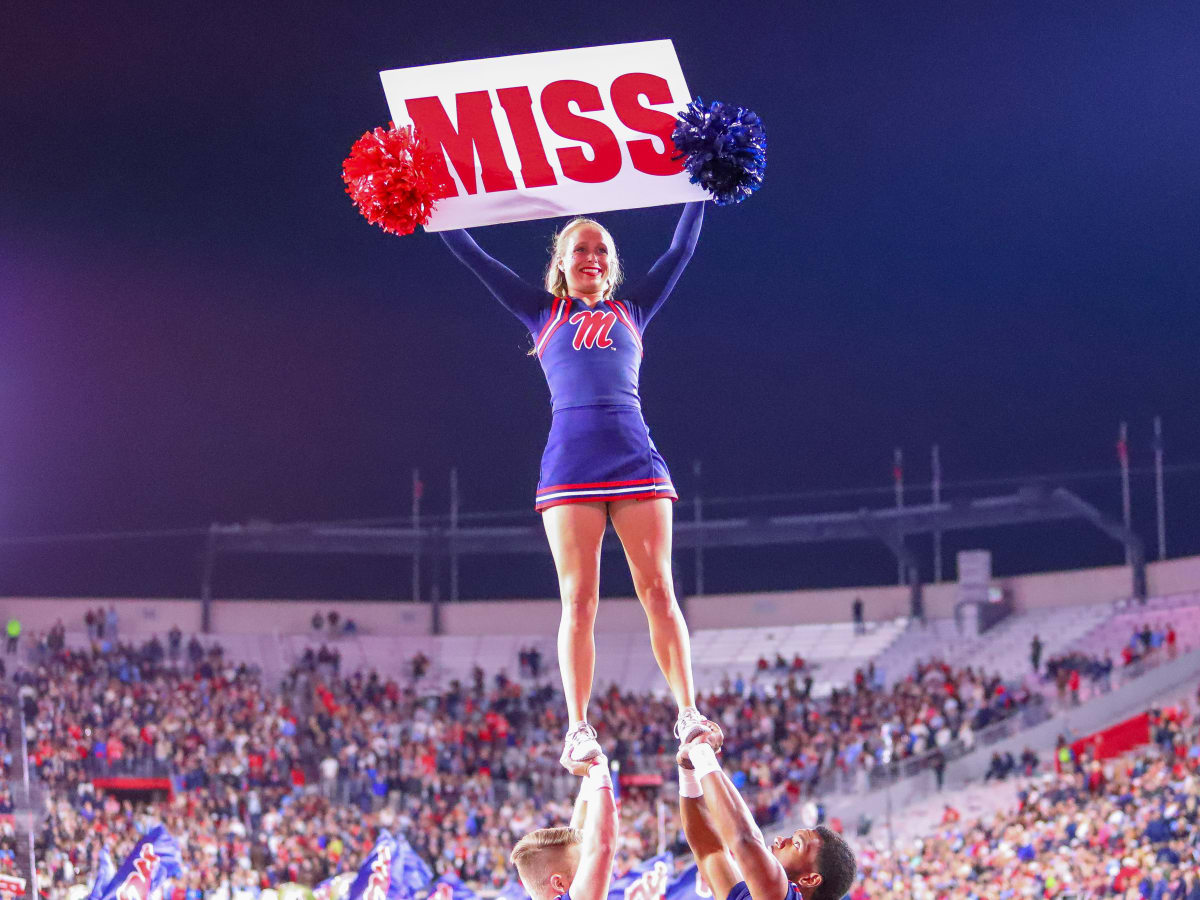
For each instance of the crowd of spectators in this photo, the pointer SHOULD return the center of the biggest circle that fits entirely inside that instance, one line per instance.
(333, 624)
(1147, 643)
(1127, 827)
(262, 786)
(1070, 671)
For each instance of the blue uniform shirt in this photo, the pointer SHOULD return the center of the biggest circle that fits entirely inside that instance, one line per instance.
(591, 357)
(740, 892)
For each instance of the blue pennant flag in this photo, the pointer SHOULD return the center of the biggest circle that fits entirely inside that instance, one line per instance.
(688, 885)
(105, 870)
(513, 890)
(153, 860)
(647, 880)
(414, 871)
(450, 887)
(392, 871)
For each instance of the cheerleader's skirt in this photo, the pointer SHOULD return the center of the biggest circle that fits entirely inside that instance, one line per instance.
(596, 454)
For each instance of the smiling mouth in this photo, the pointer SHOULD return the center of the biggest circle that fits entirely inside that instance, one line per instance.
(590, 270)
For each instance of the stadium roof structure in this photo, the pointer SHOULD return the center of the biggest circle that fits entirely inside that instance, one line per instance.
(891, 526)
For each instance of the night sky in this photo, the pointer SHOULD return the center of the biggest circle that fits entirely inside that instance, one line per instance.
(979, 228)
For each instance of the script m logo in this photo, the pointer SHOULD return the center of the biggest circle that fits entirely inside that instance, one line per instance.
(593, 328)
(477, 134)
(136, 885)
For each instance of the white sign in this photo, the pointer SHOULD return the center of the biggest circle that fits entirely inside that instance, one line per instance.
(549, 134)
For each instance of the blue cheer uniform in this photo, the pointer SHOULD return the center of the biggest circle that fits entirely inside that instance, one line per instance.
(740, 892)
(599, 448)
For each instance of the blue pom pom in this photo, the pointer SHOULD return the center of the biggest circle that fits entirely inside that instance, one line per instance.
(724, 149)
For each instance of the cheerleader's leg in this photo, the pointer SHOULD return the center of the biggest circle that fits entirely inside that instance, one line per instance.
(575, 532)
(644, 527)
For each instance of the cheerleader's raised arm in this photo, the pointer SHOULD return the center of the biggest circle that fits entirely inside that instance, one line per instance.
(519, 297)
(649, 294)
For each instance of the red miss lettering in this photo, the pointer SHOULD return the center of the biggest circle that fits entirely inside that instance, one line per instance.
(476, 133)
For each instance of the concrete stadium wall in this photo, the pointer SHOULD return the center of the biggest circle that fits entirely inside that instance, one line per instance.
(150, 616)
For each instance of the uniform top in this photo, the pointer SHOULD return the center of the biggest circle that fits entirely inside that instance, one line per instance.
(591, 357)
(740, 892)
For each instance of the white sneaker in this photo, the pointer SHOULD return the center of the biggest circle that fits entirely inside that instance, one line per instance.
(580, 745)
(690, 724)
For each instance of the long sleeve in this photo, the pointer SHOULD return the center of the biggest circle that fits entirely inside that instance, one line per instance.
(519, 297)
(652, 291)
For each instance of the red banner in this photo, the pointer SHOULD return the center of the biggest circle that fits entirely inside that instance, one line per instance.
(642, 779)
(133, 784)
(1114, 741)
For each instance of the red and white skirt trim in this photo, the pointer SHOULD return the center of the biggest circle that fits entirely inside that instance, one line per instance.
(597, 454)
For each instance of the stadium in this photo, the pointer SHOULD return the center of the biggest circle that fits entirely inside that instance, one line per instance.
(907, 606)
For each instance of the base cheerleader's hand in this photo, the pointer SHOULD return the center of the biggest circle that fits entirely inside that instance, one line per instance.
(715, 738)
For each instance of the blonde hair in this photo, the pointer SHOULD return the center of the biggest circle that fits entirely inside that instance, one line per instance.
(556, 278)
(536, 855)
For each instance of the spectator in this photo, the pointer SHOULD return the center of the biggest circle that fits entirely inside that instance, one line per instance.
(939, 768)
(174, 642)
(14, 634)
(856, 615)
(333, 618)
(318, 622)
(1035, 654)
(110, 623)
(1029, 762)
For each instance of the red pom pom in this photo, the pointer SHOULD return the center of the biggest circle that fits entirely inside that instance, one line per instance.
(390, 176)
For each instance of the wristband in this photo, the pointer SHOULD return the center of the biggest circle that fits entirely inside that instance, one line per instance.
(598, 778)
(704, 760)
(689, 784)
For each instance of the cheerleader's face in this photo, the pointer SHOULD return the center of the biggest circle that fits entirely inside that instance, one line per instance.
(585, 261)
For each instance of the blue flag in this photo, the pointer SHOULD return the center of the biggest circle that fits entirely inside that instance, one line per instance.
(105, 870)
(451, 887)
(414, 871)
(688, 885)
(513, 890)
(647, 880)
(392, 871)
(153, 860)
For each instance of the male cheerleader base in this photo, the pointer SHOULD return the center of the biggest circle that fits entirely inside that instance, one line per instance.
(599, 448)
(574, 863)
(729, 848)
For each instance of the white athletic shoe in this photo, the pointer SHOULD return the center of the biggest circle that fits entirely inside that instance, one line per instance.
(690, 724)
(580, 745)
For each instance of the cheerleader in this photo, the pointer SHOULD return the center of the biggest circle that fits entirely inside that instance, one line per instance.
(599, 462)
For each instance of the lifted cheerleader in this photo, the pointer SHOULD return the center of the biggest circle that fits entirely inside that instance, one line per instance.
(599, 461)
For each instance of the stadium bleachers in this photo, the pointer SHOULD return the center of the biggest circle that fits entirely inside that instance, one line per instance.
(1004, 648)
